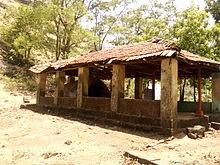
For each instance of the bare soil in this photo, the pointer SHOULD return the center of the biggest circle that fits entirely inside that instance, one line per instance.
(28, 137)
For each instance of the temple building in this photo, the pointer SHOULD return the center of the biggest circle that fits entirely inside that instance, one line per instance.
(155, 59)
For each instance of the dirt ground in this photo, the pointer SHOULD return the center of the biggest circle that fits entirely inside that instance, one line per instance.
(28, 137)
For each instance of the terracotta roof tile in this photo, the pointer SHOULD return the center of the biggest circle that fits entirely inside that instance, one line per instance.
(138, 51)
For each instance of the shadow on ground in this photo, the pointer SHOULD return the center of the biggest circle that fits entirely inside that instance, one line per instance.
(74, 115)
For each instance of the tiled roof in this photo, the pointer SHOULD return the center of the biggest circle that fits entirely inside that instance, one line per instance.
(185, 55)
(154, 48)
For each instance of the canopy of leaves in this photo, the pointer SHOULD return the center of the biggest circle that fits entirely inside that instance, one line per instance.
(147, 21)
(213, 6)
(55, 29)
(191, 31)
(49, 27)
(103, 15)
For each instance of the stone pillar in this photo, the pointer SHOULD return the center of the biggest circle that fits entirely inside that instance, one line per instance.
(83, 85)
(59, 90)
(168, 103)
(138, 88)
(118, 79)
(41, 86)
(216, 87)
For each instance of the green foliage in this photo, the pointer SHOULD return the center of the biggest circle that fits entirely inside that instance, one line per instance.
(49, 27)
(129, 88)
(104, 16)
(145, 22)
(213, 6)
(191, 31)
(17, 78)
(216, 42)
(49, 30)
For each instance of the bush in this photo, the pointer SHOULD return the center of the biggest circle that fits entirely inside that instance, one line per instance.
(19, 79)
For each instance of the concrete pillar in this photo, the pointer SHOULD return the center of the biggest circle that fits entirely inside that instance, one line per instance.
(83, 85)
(216, 87)
(41, 86)
(168, 103)
(118, 79)
(59, 90)
(138, 88)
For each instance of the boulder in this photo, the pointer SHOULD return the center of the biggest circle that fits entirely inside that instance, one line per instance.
(215, 125)
(195, 132)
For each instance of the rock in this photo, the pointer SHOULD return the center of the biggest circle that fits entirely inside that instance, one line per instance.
(26, 100)
(14, 94)
(3, 146)
(215, 125)
(176, 161)
(170, 138)
(49, 154)
(195, 132)
(211, 130)
(150, 145)
(141, 158)
(68, 142)
(161, 141)
(200, 136)
(192, 135)
(58, 132)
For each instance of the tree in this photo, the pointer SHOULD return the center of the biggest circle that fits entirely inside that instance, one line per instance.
(216, 41)
(45, 27)
(65, 26)
(103, 16)
(191, 31)
(213, 6)
(21, 31)
(145, 22)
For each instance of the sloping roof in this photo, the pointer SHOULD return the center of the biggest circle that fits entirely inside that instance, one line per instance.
(154, 48)
(188, 56)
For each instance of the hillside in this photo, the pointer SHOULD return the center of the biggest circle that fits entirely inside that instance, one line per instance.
(7, 3)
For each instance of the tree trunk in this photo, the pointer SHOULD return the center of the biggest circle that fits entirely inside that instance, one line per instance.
(128, 87)
(183, 90)
(194, 88)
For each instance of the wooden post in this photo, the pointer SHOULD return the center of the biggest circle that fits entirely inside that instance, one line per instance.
(153, 86)
(199, 111)
(41, 86)
(216, 87)
(138, 88)
(83, 85)
(59, 90)
(168, 103)
(118, 78)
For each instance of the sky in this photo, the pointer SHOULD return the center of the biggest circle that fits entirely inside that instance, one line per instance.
(181, 4)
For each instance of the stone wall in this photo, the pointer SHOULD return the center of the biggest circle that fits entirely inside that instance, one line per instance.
(96, 103)
(131, 107)
(140, 107)
(46, 101)
(67, 102)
